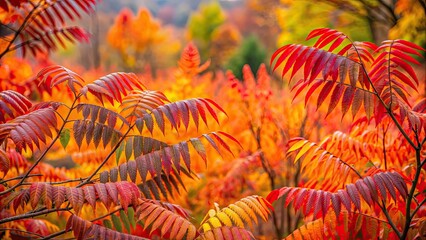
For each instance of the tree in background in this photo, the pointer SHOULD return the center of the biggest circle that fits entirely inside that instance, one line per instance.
(203, 23)
(412, 24)
(251, 52)
(401, 18)
(261, 21)
(225, 41)
(29, 27)
(292, 13)
(139, 39)
(383, 16)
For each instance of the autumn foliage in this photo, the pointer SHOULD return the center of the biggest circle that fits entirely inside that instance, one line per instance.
(360, 171)
(338, 151)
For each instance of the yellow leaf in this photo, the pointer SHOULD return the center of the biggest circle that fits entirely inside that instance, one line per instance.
(302, 151)
(214, 222)
(224, 219)
(234, 216)
(297, 145)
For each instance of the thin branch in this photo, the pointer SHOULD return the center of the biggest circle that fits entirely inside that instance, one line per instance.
(410, 196)
(346, 84)
(93, 220)
(417, 208)
(67, 181)
(20, 177)
(390, 113)
(387, 108)
(8, 27)
(55, 234)
(341, 161)
(370, 216)
(384, 145)
(45, 151)
(106, 215)
(117, 145)
(32, 214)
(21, 231)
(21, 28)
(388, 217)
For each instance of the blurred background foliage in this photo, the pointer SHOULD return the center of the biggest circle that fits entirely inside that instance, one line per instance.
(140, 35)
(235, 39)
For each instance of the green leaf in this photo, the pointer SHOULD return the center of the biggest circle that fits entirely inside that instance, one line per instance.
(369, 164)
(64, 138)
(117, 223)
(131, 216)
(199, 147)
(107, 223)
(125, 220)
(118, 153)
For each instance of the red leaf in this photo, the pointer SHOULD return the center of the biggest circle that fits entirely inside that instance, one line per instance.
(90, 195)
(368, 105)
(311, 64)
(372, 187)
(311, 201)
(273, 195)
(312, 89)
(335, 200)
(4, 6)
(345, 199)
(388, 184)
(364, 191)
(406, 49)
(276, 53)
(59, 194)
(317, 32)
(324, 93)
(327, 38)
(298, 62)
(404, 79)
(406, 67)
(283, 56)
(410, 44)
(335, 97)
(399, 183)
(319, 64)
(345, 49)
(36, 191)
(348, 96)
(301, 86)
(297, 50)
(404, 56)
(337, 43)
(357, 100)
(380, 185)
(300, 199)
(353, 194)
(318, 203)
(102, 193)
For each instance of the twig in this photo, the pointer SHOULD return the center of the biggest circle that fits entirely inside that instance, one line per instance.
(32, 214)
(19, 177)
(117, 145)
(45, 151)
(65, 231)
(22, 231)
(21, 28)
